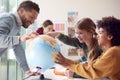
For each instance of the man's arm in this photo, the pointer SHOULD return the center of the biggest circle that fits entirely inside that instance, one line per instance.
(20, 56)
(6, 40)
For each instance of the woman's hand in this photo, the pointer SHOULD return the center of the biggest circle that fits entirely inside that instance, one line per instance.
(60, 59)
(69, 73)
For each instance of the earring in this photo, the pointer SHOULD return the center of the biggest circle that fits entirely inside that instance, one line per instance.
(94, 36)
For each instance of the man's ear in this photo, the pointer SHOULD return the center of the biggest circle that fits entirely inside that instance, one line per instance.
(21, 10)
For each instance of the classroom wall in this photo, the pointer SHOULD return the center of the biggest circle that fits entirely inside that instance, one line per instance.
(57, 11)
(95, 9)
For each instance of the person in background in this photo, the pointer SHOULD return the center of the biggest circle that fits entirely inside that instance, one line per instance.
(10, 27)
(47, 26)
(85, 39)
(106, 65)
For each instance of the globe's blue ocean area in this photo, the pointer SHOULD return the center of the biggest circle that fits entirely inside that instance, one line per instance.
(40, 53)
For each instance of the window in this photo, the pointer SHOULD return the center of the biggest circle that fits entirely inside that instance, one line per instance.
(9, 68)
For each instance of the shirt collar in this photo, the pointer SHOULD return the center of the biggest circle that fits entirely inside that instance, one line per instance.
(18, 18)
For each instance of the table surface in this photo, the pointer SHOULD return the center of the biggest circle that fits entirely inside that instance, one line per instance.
(51, 76)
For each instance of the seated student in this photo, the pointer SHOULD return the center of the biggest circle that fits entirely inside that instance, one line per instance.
(85, 36)
(85, 39)
(47, 26)
(106, 65)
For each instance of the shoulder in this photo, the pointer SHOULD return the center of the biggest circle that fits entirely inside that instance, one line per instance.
(40, 30)
(6, 17)
(6, 20)
(113, 51)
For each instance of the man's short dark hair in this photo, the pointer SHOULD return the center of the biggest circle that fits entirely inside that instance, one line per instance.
(29, 5)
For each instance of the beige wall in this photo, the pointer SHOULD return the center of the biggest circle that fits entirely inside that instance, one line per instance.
(95, 9)
(57, 10)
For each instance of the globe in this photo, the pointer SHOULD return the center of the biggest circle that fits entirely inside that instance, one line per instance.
(39, 51)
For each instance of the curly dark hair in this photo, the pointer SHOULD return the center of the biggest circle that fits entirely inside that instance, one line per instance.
(112, 26)
(29, 5)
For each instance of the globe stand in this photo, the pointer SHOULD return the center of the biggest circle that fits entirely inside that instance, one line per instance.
(43, 78)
